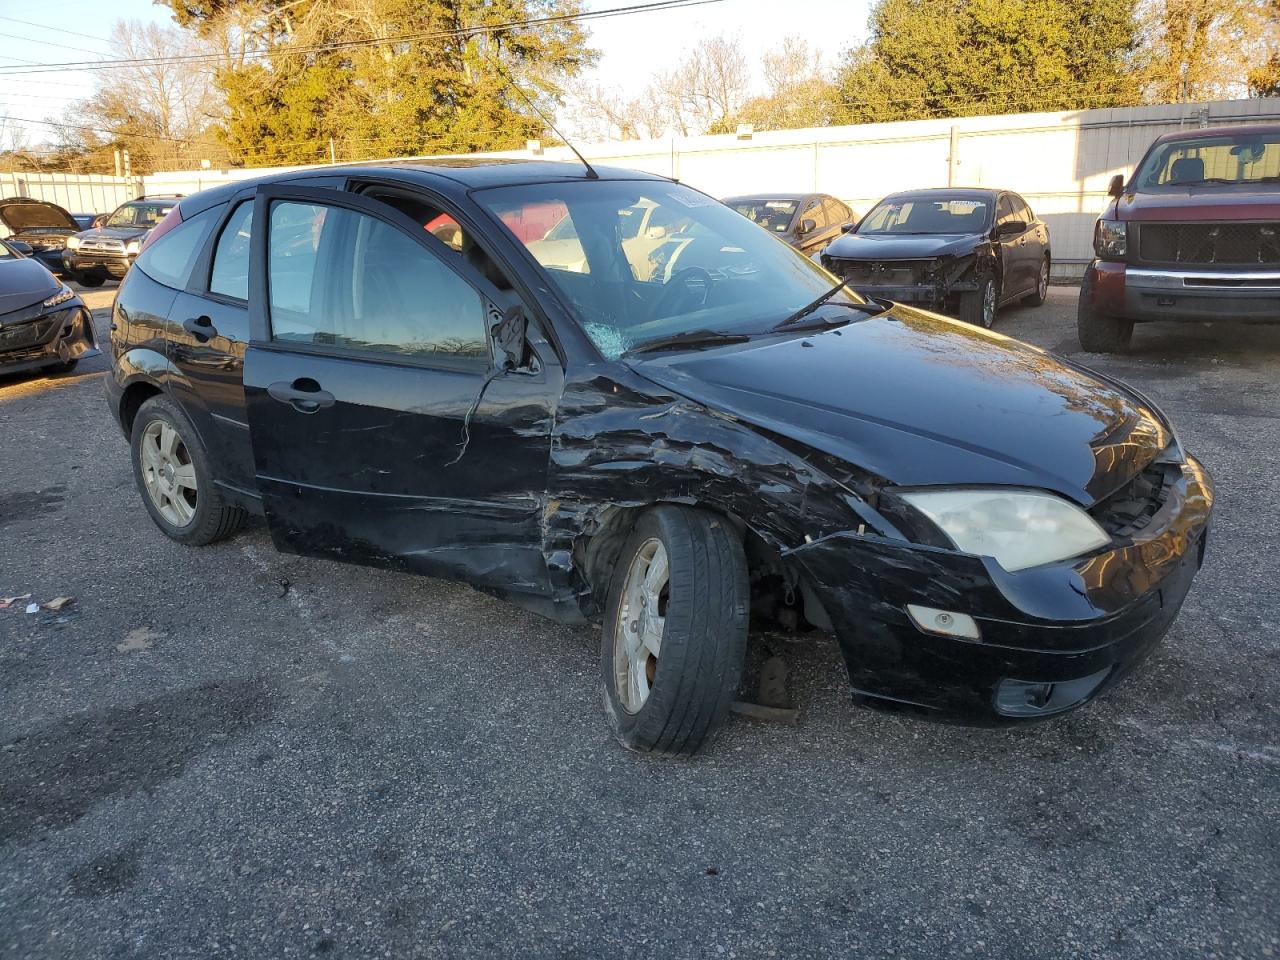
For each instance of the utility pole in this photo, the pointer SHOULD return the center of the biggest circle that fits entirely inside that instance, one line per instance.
(119, 169)
(333, 156)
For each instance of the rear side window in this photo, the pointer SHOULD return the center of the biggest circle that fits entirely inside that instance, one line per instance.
(344, 279)
(169, 260)
(230, 274)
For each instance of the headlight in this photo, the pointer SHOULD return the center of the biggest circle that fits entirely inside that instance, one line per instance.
(1018, 528)
(73, 243)
(132, 247)
(62, 296)
(1110, 238)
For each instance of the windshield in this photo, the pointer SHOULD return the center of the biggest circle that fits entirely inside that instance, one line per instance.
(6, 253)
(27, 216)
(773, 215)
(641, 261)
(937, 214)
(140, 214)
(1215, 160)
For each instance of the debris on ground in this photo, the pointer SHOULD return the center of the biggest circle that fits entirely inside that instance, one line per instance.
(7, 602)
(57, 603)
(33, 608)
(138, 639)
(282, 586)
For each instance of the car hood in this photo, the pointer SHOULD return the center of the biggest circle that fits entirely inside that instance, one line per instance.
(918, 399)
(915, 246)
(115, 233)
(1258, 201)
(24, 282)
(23, 217)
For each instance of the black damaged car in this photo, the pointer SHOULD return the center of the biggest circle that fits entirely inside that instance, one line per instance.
(966, 253)
(44, 325)
(990, 533)
(44, 227)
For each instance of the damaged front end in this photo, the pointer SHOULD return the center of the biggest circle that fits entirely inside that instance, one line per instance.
(934, 282)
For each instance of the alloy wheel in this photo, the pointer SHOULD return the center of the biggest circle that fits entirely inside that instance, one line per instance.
(989, 304)
(637, 639)
(1042, 285)
(168, 473)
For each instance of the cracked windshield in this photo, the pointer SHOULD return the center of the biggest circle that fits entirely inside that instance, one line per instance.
(641, 261)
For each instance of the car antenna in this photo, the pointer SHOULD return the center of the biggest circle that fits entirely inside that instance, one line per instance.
(591, 172)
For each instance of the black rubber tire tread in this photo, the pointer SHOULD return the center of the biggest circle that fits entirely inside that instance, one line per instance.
(65, 366)
(971, 305)
(704, 640)
(1099, 333)
(89, 281)
(215, 518)
(1035, 299)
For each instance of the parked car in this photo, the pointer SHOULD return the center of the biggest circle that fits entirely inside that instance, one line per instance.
(107, 251)
(963, 252)
(1193, 235)
(807, 221)
(991, 533)
(43, 323)
(41, 225)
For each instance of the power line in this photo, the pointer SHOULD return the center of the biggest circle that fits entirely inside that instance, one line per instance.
(481, 29)
(49, 43)
(45, 26)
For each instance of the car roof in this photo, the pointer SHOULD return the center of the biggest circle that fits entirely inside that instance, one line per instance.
(446, 175)
(743, 198)
(960, 193)
(1197, 133)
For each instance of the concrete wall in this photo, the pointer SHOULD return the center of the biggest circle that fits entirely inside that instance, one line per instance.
(1060, 162)
(77, 193)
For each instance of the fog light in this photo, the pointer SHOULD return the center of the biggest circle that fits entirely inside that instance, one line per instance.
(1028, 698)
(944, 622)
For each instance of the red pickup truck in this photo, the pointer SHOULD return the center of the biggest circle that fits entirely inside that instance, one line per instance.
(1193, 235)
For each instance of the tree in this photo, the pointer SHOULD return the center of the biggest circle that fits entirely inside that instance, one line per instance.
(708, 86)
(386, 77)
(946, 58)
(1206, 49)
(797, 94)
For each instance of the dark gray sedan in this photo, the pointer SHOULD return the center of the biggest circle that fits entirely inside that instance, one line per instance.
(807, 221)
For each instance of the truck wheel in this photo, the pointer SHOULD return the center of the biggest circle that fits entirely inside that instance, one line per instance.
(1041, 292)
(87, 281)
(978, 307)
(1099, 333)
(675, 631)
(171, 469)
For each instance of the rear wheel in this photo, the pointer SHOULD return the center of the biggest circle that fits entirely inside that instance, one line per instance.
(1041, 292)
(675, 630)
(171, 469)
(978, 307)
(1098, 332)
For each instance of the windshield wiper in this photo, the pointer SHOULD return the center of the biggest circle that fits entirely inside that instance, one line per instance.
(690, 338)
(808, 308)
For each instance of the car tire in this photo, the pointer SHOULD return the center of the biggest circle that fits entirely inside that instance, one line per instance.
(89, 281)
(1100, 333)
(703, 600)
(174, 479)
(979, 307)
(64, 366)
(1041, 293)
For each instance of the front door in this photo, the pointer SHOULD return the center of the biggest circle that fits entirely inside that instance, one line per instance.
(382, 432)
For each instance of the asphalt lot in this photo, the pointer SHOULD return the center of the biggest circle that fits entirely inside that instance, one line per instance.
(228, 752)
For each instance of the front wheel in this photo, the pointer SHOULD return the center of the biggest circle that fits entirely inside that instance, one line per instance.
(1098, 332)
(172, 472)
(675, 630)
(65, 366)
(1041, 292)
(978, 307)
(88, 281)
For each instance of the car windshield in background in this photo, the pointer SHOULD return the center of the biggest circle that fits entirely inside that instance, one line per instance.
(1220, 160)
(773, 215)
(931, 215)
(642, 261)
(28, 216)
(140, 215)
(6, 253)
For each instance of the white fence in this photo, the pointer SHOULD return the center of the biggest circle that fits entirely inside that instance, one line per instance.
(77, 193)
(1060, 162)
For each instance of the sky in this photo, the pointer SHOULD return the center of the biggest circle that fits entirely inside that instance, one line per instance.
(632, 47)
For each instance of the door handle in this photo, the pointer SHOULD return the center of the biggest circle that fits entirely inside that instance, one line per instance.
(303, 394)
(201, 328)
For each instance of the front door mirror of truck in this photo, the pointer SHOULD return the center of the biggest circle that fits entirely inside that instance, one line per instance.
(1116, 187)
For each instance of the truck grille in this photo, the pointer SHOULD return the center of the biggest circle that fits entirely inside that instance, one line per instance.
(102, 246)
(1233, 244)
(873, 273)
(1132, 507)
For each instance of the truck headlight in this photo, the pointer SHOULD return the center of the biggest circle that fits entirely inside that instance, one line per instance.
(132, 247)
(64, 294)
(1110, 238)
(73, 243)
(1017, 528)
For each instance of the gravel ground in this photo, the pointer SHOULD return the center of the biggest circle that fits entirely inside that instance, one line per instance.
(228, 752)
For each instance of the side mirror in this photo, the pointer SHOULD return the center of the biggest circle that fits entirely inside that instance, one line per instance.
(1116, 187)
(808, 226)
(1011, 228)
(98, 221)
(847, 227)
(22, 247)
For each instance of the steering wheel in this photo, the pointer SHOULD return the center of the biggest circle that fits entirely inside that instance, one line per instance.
(681, 288)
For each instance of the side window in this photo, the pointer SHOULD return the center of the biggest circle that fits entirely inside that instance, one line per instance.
(345, 279)
(836, 212)
(1023, 211)
(169, 260)
(230, 274)
(814, 212)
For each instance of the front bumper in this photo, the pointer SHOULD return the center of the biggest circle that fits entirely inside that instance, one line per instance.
(100, 265)
(32, 339)
(1052, 637)
(1146, 293)
(929, 294)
